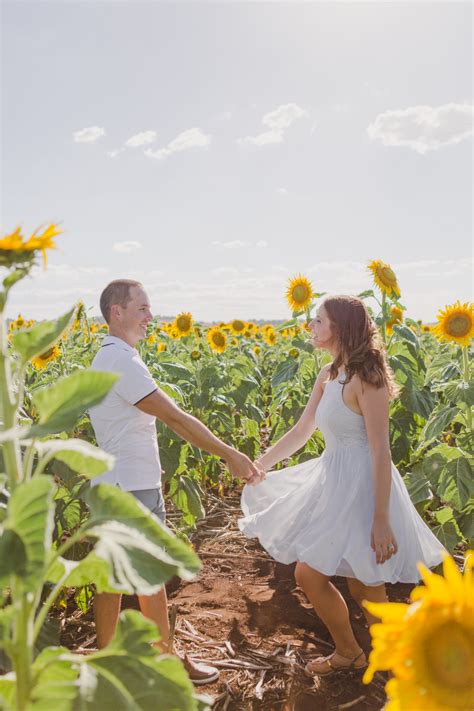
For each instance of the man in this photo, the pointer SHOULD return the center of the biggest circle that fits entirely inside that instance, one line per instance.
(124, 424)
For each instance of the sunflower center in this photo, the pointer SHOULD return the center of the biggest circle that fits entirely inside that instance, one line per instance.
(300, 293)
(238, 325)
(47, 354)
(183, 323)
(449, 658)
(458, 325)
(387, 275)
(218, 339)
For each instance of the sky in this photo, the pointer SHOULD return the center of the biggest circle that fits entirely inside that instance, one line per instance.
(213, 150)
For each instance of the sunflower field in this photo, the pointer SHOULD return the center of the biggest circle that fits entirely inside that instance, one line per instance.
(249, 383)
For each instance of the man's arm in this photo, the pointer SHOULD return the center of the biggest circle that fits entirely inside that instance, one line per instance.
(192, 430)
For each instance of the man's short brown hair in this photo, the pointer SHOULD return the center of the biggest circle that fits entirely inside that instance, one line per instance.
(117, 292)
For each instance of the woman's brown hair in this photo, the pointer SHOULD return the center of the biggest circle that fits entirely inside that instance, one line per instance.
(361, 349)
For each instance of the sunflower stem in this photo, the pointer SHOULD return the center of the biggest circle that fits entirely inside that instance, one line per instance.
(8, 406)
(465, 358)
(384, 322)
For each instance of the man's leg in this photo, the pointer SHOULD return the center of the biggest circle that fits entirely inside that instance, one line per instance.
(106, 613)
(155, 608)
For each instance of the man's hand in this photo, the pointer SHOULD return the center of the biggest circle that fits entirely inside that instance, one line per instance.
(241, 467)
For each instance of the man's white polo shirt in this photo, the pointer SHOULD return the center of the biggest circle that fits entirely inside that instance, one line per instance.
(121, 428)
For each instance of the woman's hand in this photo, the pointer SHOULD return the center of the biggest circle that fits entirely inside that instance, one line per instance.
(261, 469)
(382, 540)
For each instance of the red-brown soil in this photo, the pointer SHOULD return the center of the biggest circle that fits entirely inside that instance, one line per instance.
(245, 613)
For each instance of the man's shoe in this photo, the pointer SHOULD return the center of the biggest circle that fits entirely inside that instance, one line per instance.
(200, 673)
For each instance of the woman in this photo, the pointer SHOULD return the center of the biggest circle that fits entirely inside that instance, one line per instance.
(347, 512)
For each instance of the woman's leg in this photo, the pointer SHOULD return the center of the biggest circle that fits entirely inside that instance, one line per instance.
(331, 607)
(371, 593)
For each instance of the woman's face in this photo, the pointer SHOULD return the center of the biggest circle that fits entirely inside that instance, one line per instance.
(323, 336)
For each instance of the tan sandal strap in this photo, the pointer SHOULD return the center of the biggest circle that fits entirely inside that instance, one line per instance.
(356, 658)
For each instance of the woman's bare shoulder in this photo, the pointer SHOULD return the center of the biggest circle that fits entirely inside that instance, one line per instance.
(365, 389)
(323, 375)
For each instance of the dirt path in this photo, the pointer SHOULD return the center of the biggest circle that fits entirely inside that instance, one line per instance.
(244, 613)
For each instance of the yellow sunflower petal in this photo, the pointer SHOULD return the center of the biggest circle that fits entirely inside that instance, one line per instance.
(299, 293)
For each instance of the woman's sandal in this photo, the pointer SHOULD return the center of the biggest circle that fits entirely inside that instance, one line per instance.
(326, 668)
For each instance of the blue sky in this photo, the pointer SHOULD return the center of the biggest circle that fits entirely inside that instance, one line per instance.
(212, 150)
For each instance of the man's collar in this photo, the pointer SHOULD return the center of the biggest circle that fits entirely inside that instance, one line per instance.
(119, 342)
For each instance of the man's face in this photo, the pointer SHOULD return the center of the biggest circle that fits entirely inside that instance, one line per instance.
(136, 315)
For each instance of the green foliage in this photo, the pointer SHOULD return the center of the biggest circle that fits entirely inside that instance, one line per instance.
(127, 674)
(40, 337)
(61, 404)
(25, 535)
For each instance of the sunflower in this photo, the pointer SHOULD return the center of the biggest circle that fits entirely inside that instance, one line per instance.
(425, 328)
(299, 293)
(18, 324)
(234, 342)
(184, 323)
(15, 250)
(256, 350)
(455, 323)
(217, 339)
(174, 333)
(195, 355)
(41, 361)
(152, 338)
(293, 353)
(396, 316)
(43, 241)
(428, 645)
(384, 278)
(271, 337)
(161, 347)
(237, 326)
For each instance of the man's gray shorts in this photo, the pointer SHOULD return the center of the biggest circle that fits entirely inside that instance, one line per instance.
(153, 500)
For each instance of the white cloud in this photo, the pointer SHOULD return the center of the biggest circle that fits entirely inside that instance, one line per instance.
(227, 292)
(88, 135)
(115, 152)
(282, 191)
(261, 244)
(283, 116)
(424, 128)
(141, 139)
(235, 244)
(277, 122)
(192, 138)
(127, 247)
(263, 139)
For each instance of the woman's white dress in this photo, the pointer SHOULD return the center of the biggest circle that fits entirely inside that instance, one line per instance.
(320, 512)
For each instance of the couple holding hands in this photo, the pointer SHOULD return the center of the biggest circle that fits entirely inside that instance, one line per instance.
(345, 513)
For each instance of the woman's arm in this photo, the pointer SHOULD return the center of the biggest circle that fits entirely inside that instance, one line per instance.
(300, 433)
(374, 405)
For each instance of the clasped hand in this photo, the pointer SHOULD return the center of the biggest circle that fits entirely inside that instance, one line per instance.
(241, 467)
